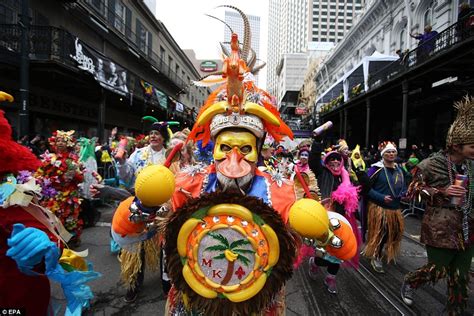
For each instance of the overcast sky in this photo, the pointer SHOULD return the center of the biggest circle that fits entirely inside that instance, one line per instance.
(191, 29)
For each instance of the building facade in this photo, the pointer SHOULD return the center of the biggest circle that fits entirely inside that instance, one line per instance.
(406, 98)
(385, 27)
(105, 61)
(294, 24)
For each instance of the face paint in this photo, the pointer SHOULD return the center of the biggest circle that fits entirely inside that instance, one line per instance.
(334, 166)
(244, 142)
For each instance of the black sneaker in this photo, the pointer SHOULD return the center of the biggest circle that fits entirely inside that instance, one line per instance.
(407, 293)
(131, 295)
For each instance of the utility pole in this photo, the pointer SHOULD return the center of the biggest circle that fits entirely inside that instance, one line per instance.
(24, 121)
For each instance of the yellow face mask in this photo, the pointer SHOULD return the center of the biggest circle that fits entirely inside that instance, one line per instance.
(244, 142)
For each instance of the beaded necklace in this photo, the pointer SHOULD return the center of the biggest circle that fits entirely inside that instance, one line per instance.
(467, 205)
(392, 188)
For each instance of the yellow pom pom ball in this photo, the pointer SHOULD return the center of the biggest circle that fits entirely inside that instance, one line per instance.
(154, 185)
(309, 219)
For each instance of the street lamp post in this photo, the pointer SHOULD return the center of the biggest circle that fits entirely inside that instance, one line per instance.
(24, 122)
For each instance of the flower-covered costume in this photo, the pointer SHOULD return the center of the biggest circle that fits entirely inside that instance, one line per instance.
(60, 175)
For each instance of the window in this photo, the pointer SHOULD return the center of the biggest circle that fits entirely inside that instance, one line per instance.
(428, 17)
(120, 14)
(402, 40)
(176, 70)
(98, 5)
(144, 39)
(162, 53)
(170, 61)
(8, 14)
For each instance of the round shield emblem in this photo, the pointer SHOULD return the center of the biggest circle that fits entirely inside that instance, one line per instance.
(227, 251)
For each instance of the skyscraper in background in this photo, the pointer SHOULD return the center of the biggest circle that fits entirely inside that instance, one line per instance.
(294, 24)
(234, 20)
(330, 20)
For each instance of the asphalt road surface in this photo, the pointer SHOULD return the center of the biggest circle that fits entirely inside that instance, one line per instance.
(360, 291)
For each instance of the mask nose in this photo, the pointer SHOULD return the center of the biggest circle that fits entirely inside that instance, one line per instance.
(234, 166)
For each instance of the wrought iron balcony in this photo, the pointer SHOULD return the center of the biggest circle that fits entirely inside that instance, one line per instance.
(456, 33)
(48, 43)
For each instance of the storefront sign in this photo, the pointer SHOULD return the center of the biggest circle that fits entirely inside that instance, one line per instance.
(179, 107)
(208, 66)
(301, 109)
(46, 104)
(162, 98)
(111, 76)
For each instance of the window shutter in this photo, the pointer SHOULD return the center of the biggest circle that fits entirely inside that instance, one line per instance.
(150, 44)
(138, 32)
(111, 12)
(128, 23)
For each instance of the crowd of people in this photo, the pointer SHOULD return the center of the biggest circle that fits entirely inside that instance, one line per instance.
(225, 212)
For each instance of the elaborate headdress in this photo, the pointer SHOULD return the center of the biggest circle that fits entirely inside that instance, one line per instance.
(66, 136)
(14, 156)
(387, 145)
(462, 129)
(238, 104)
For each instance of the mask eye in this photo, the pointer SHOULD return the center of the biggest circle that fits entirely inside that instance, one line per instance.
(225, 148)
(245, 149)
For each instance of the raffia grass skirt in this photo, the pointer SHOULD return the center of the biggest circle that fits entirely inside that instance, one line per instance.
(383, 223)
(131, 262)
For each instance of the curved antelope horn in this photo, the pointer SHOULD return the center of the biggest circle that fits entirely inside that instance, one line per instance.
(252, 59)
(258, 68)
(228, 26)
(225, 51)
(247, 34)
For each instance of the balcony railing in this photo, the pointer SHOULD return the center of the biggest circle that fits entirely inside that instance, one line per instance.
(454, 34)
(48, 43)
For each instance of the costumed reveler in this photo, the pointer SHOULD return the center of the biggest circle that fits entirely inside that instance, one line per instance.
(229, 223)
(60, 175)
(384, 218)
(89, 214)
(339, 196)
(146, 254)
(32, 238)
(446, 181)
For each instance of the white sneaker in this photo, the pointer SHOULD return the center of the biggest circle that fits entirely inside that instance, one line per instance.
(407, 293)
(377, 265)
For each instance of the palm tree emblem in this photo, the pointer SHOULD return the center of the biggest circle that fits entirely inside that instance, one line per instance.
(231, 252)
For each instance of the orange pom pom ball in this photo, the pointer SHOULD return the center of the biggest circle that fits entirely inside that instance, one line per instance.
(120, 222)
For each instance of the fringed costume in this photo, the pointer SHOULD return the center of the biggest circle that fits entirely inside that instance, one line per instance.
(447, 228)
(384, 218)
(231, 238)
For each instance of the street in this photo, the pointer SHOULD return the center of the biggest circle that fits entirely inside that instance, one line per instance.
(361, 292)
